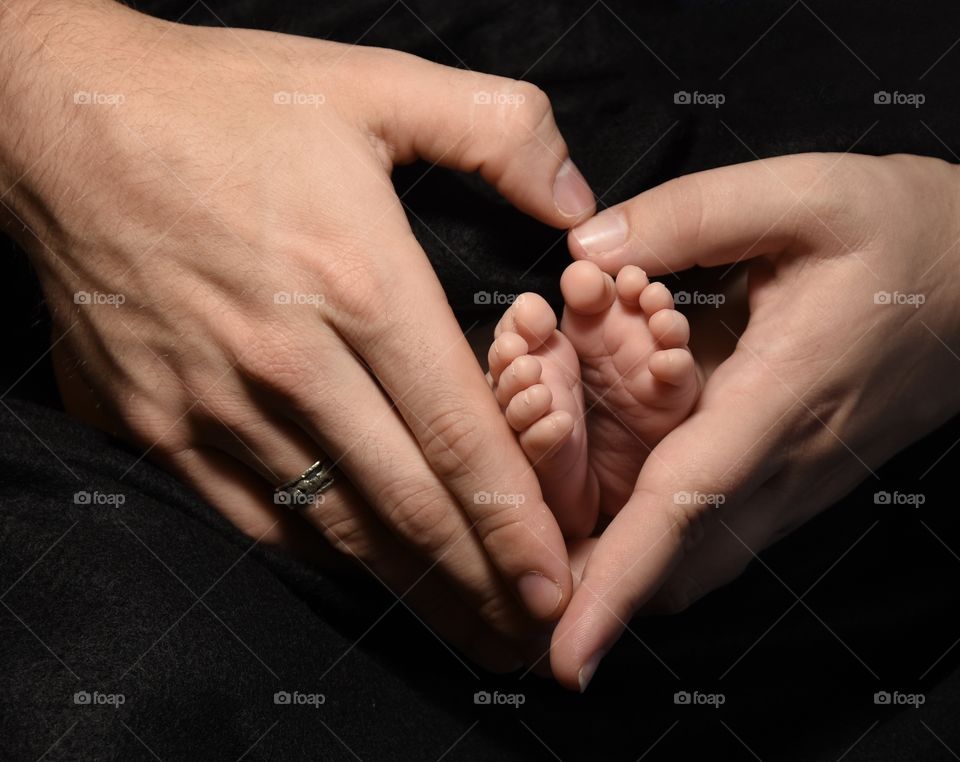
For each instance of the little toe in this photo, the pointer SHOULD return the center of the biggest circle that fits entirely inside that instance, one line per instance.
(586, 288)
(532, 318)
(523, 372)
(672, 366)
(506, 348)
(669, 328)
(654, 298)
(543, 438)
(631, 281)
(529, 406)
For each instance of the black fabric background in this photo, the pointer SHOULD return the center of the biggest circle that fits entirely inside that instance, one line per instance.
(81, 615)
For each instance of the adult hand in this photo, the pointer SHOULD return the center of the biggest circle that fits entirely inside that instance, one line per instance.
(232, 189)
(853, 327)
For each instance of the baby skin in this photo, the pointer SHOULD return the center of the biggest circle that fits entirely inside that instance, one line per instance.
(589, 401)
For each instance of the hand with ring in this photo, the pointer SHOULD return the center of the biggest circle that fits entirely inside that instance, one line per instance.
(259, 303)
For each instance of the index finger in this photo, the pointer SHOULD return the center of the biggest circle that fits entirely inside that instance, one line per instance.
(425, 365)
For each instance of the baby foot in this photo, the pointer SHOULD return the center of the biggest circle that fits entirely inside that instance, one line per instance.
(618, 375)
(536, 377)
(639, 378)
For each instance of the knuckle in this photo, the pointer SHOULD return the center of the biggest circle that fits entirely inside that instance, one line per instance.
(456, 442)
(346, 533)
(687, 523)
(341, 281)
(150, 425)
(522, 116)
(421, 512)
(354, 287)
(683, 208)
(153, 421)
(532, 118)
(501, 528)
(534, 103)
(273, 363)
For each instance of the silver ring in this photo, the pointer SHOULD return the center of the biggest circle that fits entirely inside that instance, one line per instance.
(305, 488)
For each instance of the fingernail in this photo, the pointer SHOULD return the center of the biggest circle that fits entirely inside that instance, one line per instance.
(571, 194)
(605, 232)
(587, 670)
(540, 594)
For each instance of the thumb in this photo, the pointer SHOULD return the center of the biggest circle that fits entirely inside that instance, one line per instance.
(715, 217)
(502, 128)
(714, 459)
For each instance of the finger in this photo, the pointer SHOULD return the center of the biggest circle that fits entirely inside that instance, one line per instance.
(708, 218)
(347, 526)
(238, 494)
(421, 587)
(502, 128)
(271, 446)
(714, 458)
(426, 366)
(354, 423)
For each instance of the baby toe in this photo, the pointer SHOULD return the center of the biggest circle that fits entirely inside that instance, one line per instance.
(542, 438)
(529, 406)
(631, 281)
(669, 328)
(506, 348)
(672, 366)
(654, 298)
(586, 289)
(521, 373)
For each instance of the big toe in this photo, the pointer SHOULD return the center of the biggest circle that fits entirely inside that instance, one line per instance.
(586, 288)
(530, 317)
